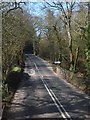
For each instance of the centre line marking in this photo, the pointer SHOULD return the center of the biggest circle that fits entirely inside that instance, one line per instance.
(53, 96)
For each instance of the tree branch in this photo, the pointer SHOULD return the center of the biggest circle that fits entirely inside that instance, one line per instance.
(16, 6)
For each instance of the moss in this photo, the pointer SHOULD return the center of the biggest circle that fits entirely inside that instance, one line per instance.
(16, 69)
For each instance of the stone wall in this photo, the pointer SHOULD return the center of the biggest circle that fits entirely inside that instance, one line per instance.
(75, 79)
(63, 73)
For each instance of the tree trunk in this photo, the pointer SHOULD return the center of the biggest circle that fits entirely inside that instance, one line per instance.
(34, 52)
(70, 45)
(89, 11)
(76, 57)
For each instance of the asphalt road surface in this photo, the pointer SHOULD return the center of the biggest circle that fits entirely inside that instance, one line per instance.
(42, 94)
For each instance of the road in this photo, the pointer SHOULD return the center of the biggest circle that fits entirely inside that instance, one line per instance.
(42, 94)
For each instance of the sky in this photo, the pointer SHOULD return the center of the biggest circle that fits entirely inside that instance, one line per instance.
(44, 0)
(36, 8)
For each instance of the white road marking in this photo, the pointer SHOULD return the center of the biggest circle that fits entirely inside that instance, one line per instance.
(60, 104)
(30, 71)
(53, 96)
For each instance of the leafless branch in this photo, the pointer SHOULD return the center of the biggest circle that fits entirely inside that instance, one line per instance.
(16, 6)
(72, 5)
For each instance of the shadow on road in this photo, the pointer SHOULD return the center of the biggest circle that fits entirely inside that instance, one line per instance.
(32, 101)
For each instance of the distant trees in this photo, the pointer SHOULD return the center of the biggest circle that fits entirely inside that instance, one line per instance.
(65, 30)
(66, 16)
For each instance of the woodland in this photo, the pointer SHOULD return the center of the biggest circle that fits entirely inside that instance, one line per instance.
(61, 34)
